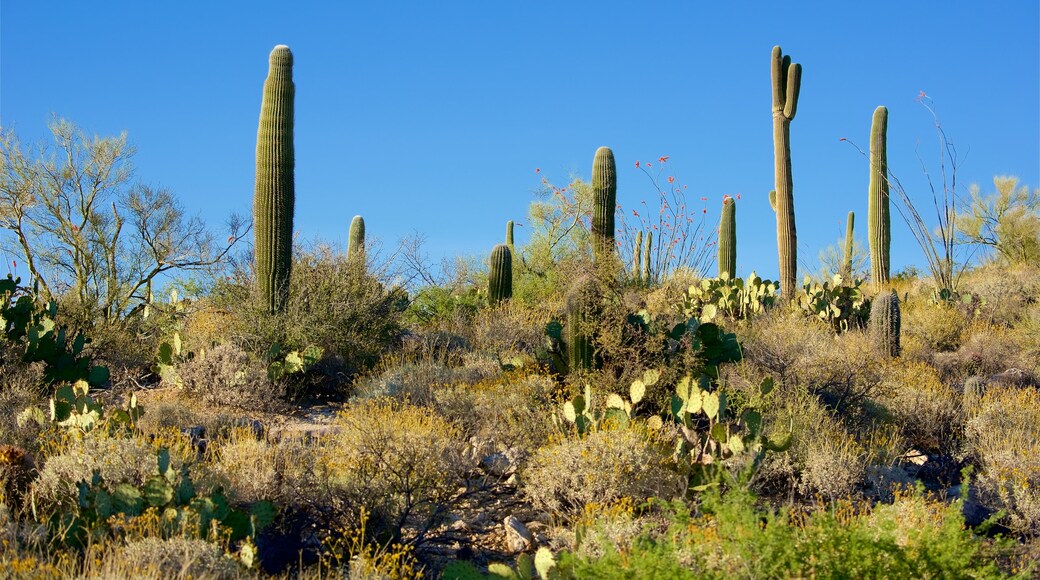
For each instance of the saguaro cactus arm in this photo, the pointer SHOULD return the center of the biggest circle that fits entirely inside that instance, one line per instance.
(356, 240)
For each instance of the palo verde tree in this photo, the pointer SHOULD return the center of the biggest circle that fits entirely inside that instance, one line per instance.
(86, 231)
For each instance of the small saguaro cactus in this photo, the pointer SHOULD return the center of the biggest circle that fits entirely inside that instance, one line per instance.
(787, 81)
(274, 195)
(637, 257)
(604, 200)
(582, 306)
(500, 274)
(509, 234)
(728, 238)
(846, 262)
(879, 226)
(356, 241)
(647, 268)
(885, 323)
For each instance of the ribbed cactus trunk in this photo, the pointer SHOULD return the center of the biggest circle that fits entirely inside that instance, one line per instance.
(728, 239)
(604, 202)
(509, 234)
(356, 241)
(637, 257)
(846, 262)
(274, 196)
(786, 77)
(648, 270)
(500, 274)
(885, 323)
(582, 307)
(879, 224)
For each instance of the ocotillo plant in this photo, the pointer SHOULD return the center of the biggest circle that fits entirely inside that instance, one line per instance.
(786, 77)
(885, 322)
(274, 196)
(846, 263)
(604, 192)
(728, 238)
(879, 226)
(509, 234)
(647, 267)
(500, 274)
(356, 241)
(637, 257)
(582, 306)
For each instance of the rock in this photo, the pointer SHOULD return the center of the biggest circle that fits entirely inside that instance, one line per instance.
(518, 537)
(974, 512)
(502, 463)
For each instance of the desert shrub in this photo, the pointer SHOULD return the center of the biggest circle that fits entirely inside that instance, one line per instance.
(939, 324)
(985, 350)
(507, 412)
(1004, 438)
(180, 558)
(843, 371)
(227, 375)
(416, 380)
(333, 304)
(602, 467)
(927, 411)
(777, 343)
(252, 469)
(1005, 292)
(399, 462)
(509, 329)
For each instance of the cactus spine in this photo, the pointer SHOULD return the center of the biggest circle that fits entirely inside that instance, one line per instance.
(647, 270)
(356, 241)
(637, 258)
(885, 323)
(787, 80)
(274, 195)
(846, 263)
(500, 274)
(879, 227)
(728, 238)
(509, 234)
(582, 307)
(604, 199)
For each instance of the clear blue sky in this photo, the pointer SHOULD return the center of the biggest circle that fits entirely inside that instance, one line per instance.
(432, 116)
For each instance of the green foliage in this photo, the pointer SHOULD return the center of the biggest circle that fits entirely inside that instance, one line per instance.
(840, 305)
(285, 364)
(1006, 221)
(729, 297)
(275, 195)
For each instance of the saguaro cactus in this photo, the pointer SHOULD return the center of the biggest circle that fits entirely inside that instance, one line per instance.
(604, 192)
(637, 257)
(787, 80)
(356, 241)
(274, 195)
(647, 268)
(728, 238)
(582, 307)
(879, 226)
(846, 263)
(885, 322)
(500, 274)
(509, 234)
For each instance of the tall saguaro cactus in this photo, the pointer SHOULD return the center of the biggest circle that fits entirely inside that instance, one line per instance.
(500, 274)
(787, 81)
(604, 200)
(728, 238)
(879, 221)
(356, 241)
(637, 257)
(846, 262)
(274, 195)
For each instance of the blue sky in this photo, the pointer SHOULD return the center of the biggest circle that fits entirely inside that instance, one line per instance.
(433, 116)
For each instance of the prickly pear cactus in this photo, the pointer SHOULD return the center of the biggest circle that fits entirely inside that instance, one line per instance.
(356, 241)
(879, 226)
(500, 274)
(786, 77)
(728, 238)
(885, 323)
(275, 196)
(604, 192)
